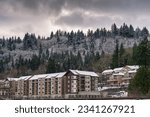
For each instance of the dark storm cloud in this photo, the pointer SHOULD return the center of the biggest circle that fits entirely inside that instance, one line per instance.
(82, 13)
(79, 19)
(55, 6)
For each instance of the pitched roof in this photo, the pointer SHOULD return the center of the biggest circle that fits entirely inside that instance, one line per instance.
(107, 71)
(133, 67)
(56, 75)
(13, 79)
(118, 69)
(24, 77)
(38, 76)
(52, 75)
(86, 73)
(61, 74)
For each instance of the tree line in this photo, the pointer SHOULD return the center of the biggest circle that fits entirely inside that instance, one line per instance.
(68, 60)
(140, 85)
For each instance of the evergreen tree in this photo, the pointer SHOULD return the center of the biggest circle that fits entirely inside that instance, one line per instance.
(143, 53)
(29, 41)
(97, 34)
(141, 82)
(131, 31)
(47, 53)
(35, 62)
(145, 32)
(52, 35)
(126, 31)
(121, 57)
(40, 51)
(1, 66)
(51, 68)
(114, 30)
(115, 56)
(134, 54)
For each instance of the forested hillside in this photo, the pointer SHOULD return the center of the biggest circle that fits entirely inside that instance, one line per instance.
(95, 50)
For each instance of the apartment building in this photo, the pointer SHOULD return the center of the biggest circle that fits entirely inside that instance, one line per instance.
(23, 86)
(46, 85)
(78, 82)
(4, 88)
(55, 85)
(106, 74)
(115, 79)
(13, 85)
(36, 85)
(120, 77)
(8, 87)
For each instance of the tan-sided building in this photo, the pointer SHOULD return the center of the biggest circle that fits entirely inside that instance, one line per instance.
(46, 85)
(121, 76)
(36, 85)
(106, 74)
(78, 82)
(23, 86)
(13, 84)
(4, 88)
(54, 85)
(115, 80)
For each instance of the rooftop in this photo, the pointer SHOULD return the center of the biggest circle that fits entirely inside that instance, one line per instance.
(86, 73)
(24, 77)
(13, 79)
(107, 71)
(38, 76)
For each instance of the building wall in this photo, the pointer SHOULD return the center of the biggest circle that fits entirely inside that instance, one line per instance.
(13, 87)
(80, 83)
(69, 84)
(20, 89)
(4, 88)
(34, 88)
(41, 87)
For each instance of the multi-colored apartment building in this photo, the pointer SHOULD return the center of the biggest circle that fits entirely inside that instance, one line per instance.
(120, 76)
(57, 85)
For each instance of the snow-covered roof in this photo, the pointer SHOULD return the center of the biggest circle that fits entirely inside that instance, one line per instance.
(1, 81)
(74, 72)
(133, 67)
(118, 69)
(13, 79)
(107, 71)
(86, 73)
(56, 75)
(24, 77)
(60, 75)
(133, 71)
(51, 75)
(118, 74)
(38, 76)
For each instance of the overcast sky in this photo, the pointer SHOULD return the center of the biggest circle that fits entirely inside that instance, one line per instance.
(43, 16)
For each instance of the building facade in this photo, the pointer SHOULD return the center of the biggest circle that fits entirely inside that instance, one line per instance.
(120, 77)
(23, 86)
(57, 85)
(78, 82)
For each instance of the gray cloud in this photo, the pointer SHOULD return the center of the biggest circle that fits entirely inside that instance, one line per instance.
(55, 6)
(82, 14)
(79, 19)
(74, 19)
